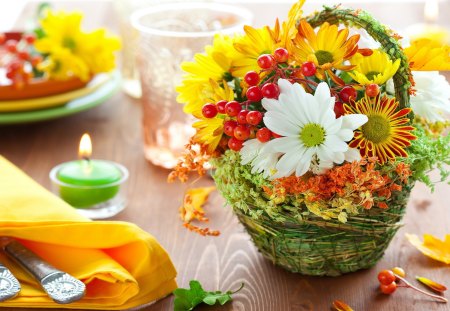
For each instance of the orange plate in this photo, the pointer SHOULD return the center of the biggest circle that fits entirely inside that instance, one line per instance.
(38, 87)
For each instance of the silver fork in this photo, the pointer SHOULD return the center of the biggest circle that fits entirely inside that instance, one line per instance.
(9, 285)
(60, 286)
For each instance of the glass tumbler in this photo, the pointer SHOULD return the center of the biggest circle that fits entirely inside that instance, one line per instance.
(168, 35)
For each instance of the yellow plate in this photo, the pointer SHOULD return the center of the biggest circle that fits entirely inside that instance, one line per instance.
(54, 100)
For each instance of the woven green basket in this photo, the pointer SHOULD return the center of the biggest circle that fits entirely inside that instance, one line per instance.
(311, 245)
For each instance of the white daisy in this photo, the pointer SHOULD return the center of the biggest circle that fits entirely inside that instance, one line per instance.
(310, 129)
(261, 162)
(432, 99)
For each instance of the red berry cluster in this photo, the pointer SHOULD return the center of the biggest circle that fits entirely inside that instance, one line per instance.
(20, 58)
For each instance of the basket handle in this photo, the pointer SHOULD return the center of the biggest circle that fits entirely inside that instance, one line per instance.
(378, 31)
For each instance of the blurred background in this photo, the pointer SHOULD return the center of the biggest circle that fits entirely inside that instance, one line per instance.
(399, 14)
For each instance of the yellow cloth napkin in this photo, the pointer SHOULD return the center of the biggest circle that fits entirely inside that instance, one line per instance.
(121, 265)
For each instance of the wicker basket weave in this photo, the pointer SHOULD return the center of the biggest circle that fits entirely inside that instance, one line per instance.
(311, 245)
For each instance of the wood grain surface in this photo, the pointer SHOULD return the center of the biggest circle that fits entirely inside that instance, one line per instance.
(225, 261)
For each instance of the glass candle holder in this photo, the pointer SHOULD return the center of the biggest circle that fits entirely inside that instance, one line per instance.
(96, 197)
(168, 35)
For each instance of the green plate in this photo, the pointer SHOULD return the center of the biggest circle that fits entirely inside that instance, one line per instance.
(71, 107)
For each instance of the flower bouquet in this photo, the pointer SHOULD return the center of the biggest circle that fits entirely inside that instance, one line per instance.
(56, 57)
(317, 133)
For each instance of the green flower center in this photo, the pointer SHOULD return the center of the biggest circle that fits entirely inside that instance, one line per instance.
(69, 43)
(372, 74)
(376, 129)
(324, 57)
(312, 135)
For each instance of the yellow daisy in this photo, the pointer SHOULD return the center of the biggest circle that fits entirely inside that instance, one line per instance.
(71, 52)
(386, 133)
(376, 68)
(213, 65)
(428, 55)
(210, 130)
(250, 46)
(327, 49)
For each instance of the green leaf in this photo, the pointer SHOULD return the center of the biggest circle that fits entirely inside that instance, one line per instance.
(188, 299)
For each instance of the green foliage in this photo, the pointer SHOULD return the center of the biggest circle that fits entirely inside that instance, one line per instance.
(426, 153)
(188, 299)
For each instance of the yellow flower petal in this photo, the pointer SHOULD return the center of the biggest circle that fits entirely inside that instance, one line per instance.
(194, 199)
(432, 247)
(428, 55)
(431, 284)
(339, 305)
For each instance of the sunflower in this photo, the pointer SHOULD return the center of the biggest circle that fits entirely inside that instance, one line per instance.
(72, 52)
(327, 49)
(386, 134)
(250, 46)
(210, 130)
(428, 55)
(376, 68)
(214, 64)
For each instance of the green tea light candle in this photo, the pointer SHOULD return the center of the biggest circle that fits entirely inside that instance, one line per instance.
(89, 184)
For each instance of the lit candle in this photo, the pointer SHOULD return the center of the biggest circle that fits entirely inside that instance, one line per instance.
(430, 29)
(85, 183)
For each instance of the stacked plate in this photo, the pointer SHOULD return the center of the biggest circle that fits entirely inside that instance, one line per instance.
(19, 108)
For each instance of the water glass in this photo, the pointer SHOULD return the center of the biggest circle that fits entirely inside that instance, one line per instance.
(168, 35)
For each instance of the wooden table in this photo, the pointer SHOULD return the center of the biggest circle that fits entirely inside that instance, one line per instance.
(225, 261)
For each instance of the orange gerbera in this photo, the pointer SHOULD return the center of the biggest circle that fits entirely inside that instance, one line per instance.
(387, 132)
(327, 49)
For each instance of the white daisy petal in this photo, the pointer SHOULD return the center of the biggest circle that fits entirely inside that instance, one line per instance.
(304, 163)
(345, 134)
(335, 144)
(353, 121)
(276, 122)
(352, 154)
(285, 144)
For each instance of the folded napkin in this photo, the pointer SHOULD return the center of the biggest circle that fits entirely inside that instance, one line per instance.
(121, 265)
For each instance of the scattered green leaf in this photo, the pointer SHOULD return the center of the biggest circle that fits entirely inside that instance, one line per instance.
(188, 299)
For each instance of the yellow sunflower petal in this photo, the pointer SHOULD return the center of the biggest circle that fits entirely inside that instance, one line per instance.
(427, 55)
(432, 246)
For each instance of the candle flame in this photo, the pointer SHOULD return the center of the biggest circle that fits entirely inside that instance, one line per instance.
(85, 149)
(431, 11)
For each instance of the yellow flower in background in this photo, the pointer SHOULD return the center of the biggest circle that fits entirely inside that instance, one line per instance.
(387, 133)
(432, 246)
(428, 55)
(253, 44)
(376, 68)
(327, 49)
(210, 130)
(71, 52)
(213, 65)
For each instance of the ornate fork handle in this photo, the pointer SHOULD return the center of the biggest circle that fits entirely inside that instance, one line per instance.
(9, 286)
(60, 286)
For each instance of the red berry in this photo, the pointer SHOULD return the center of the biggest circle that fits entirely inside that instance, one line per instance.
(254, 94)
(14, 66)
(209, 111)
(254, 117)
(388, 289)
(386, 277)
(11, 46)
(2, 38)
(232, 108)
(229, 126)
(29, 38)
(263, 134)
(308, 69)
(372, 90)
(347, 93)
(339, 109)
(281, 55)
(235, 144)
(270, 90)
(266, 61)
(35, 60)
(252, 78)
(241, 117)
(242, 132)
(221, 106)
(24, 55)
